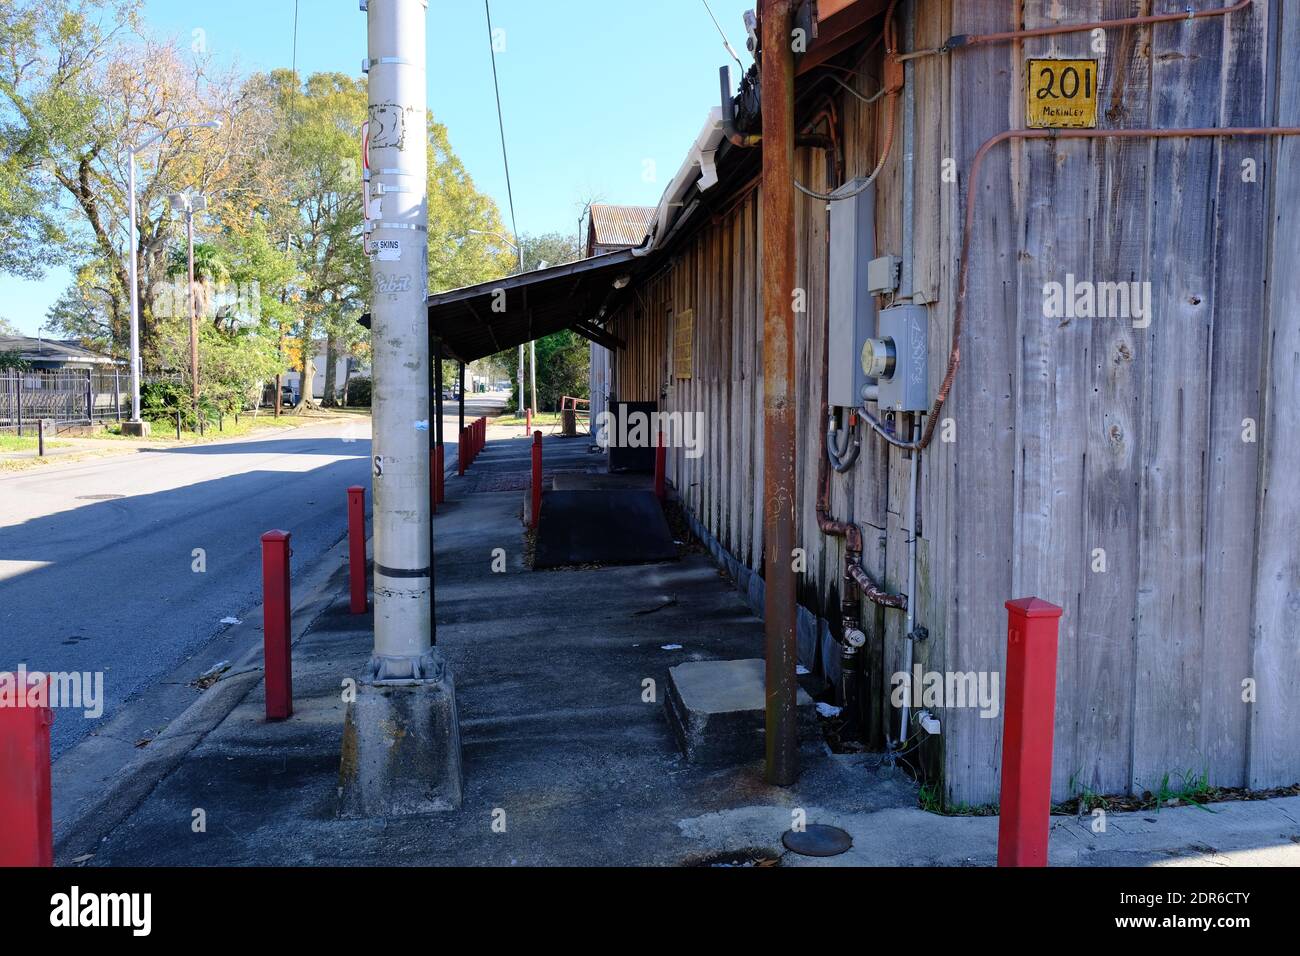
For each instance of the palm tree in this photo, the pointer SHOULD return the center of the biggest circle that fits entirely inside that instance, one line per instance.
(209, 270)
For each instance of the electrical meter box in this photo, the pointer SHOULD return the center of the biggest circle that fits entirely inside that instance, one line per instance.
(903, 330)
(852, 307)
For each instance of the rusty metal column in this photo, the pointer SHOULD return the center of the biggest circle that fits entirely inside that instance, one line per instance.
(777, 91)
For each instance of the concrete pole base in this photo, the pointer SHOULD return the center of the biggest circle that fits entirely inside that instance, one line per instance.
(401, 749)
(136, 429)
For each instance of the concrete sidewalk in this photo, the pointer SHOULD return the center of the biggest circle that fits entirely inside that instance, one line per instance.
(565, 761)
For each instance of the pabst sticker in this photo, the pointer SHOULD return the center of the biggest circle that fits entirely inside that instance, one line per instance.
(392, 285)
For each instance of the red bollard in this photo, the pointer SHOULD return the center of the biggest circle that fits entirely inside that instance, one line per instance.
(277, 659)
(661, 465)
(529, 427)
(26, 829)
(462, 452)
(433, 480)
(357, 547)
(437, 470)
(537, 478)
(1026, 798)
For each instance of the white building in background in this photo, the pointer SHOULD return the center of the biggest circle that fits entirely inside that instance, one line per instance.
(341, 367)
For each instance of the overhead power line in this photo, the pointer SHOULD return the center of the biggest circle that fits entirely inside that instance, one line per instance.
(501, 124)
(722, 33)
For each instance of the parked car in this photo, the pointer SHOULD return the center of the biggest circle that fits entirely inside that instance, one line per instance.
(288, 396)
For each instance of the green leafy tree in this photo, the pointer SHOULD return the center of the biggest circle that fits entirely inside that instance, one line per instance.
(563, 359)
(50, 51)
(73, 98)
(319, 128)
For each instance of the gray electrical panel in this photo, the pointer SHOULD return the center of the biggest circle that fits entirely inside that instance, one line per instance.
(906, 388)
(852, 307)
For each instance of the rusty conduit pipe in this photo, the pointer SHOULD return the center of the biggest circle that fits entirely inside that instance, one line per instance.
(967, 40)
(856, 581)
(968, 229)
(855, 576)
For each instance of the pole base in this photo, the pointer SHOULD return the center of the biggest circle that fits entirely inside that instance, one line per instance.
(136, 429)
(401, 749)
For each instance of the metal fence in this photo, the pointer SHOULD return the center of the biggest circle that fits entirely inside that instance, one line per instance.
(65, 396)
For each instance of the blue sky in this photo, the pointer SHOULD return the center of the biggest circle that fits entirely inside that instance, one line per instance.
(602, 98)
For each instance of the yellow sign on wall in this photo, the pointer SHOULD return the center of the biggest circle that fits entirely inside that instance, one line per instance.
(1061, 94)
(684, 343)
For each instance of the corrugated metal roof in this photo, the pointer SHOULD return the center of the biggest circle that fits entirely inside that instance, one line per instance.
(621, 225)
(484, 319)
(51, 350)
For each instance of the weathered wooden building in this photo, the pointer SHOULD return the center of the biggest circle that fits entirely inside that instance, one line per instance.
(1142, 471)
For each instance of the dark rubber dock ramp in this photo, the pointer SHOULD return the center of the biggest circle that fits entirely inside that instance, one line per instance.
(612, 526)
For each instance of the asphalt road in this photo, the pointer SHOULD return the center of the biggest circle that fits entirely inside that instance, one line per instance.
(97, 560)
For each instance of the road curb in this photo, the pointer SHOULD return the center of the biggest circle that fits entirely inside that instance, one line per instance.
(97, 817)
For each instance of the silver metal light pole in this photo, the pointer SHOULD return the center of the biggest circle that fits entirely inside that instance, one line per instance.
(399, 270)
(189, 205)
(136, 367)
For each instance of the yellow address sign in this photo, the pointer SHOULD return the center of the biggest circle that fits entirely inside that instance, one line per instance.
(1061, 94)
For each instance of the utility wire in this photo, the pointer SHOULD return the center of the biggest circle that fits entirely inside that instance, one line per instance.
(501, 124)
(723, 34)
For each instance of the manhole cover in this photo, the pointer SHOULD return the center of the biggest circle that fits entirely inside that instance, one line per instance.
(99, 497)
(817, 840)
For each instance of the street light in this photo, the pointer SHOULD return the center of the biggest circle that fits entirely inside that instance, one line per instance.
(519, 249)
(532, 346)
(135, 282)
(189, 205)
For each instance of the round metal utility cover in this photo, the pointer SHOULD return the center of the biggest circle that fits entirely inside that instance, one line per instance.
(817, 840)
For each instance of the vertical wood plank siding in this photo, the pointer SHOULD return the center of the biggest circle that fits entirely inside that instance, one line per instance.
(1078, 441)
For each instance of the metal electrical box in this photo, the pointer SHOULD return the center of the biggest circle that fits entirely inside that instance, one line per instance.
(852, 307)
(906, 388)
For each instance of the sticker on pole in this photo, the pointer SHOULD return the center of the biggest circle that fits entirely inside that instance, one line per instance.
(390, 250)
(1061, 94)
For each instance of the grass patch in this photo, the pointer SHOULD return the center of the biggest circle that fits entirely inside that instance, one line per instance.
(1175, 788)
(931, 801)
(540, 420)
(26, 443)
(164, 435)
(164, 430)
